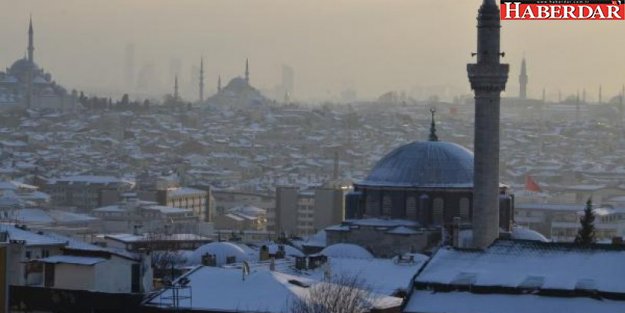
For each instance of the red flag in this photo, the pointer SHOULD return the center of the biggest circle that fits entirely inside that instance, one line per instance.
(531, 185)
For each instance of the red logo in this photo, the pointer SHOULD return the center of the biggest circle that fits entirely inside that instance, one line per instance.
(563, 9)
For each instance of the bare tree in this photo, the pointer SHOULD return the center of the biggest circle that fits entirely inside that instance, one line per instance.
(339, 294)
(165, 263)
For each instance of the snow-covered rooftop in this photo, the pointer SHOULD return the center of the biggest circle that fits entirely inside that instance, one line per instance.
(529, 265)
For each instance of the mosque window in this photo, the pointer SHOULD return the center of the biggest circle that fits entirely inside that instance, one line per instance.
(387, 204)
(437, 211)
(411, 208)
(464, 209)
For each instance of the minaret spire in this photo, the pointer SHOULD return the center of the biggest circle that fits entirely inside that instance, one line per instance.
(600, 94)
(247, 70)
(433, 136)
(488, 79)
(176, 88)
(219, 83)
(31, 41)
(202, 79)
(523, 80)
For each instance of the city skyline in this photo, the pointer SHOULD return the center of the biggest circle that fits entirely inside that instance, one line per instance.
(331, 48)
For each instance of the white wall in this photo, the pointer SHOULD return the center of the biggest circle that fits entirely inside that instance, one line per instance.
(114, 275)
(75, 277)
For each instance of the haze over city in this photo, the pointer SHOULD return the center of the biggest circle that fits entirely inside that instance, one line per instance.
(291, 156)
(369, 46)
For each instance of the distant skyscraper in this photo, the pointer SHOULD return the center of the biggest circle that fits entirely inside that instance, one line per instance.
(202, 79)
(129, 67)
(488, 79)
(523, 80)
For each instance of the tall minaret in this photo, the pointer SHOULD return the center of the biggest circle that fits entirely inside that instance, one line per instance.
(488, 79)
(247, 70)
(219, 84)
(31, 63)
(523, 81)
(31, 42)
(202, 79)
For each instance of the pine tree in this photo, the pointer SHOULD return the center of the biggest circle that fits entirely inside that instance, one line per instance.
(586, 234)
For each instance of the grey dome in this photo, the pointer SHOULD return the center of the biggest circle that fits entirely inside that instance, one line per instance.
(424, 164)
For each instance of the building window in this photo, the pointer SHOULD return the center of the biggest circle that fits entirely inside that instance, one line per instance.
(437, 211)
(464, 209)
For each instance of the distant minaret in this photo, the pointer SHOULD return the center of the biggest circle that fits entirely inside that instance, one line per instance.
(600, 94)
(488, 79)
(31, 61)
(31, 42)
(176, 88)
(202, 79)
(523, 81)
(247, 70)
(219, 84)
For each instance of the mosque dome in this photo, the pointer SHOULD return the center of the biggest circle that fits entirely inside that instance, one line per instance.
(424, 164)
(346, 250)
(237, 83)
(221, 251)
(21, 66)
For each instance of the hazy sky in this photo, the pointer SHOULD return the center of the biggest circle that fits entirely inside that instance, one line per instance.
(372, 46)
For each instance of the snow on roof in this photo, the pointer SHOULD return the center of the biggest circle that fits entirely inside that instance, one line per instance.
(424, 301)
(29, 238)
(384, 276)
(221, 250)
(402, 230)
(91, 179)
(513, 263)
(40, 216)
(167, 209)
(184, 191)
(223, 290)
(75, 244)
(289, 250)
(523, 233)
(346, 250)
(381, 222)
(70, 259)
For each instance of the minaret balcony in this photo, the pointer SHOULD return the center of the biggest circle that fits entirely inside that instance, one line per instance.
(488, 76)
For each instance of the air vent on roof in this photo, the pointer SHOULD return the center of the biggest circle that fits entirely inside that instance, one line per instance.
(586, 284)
(298, 283)
(464, 278)
(532, 282)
